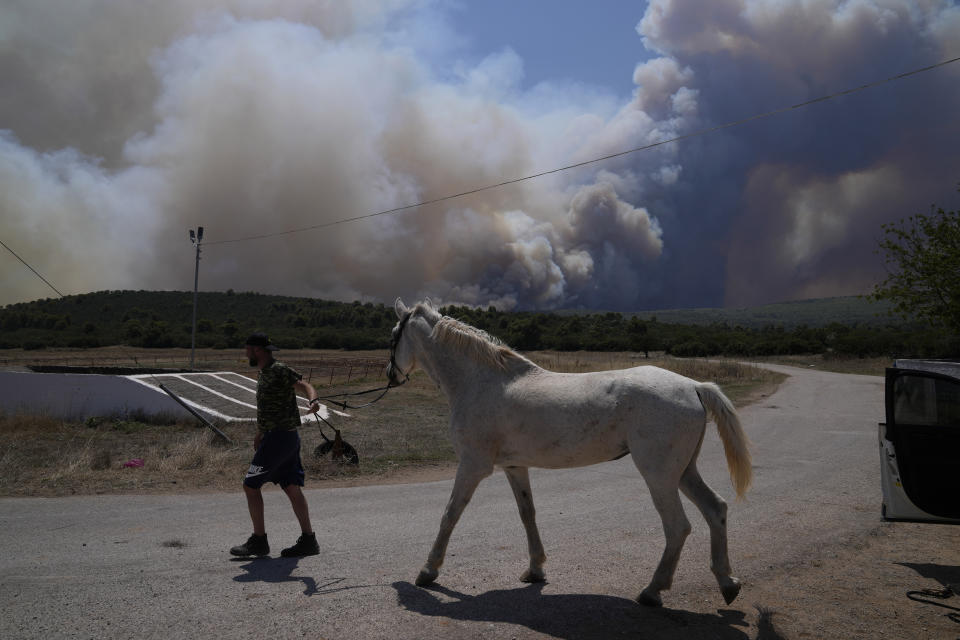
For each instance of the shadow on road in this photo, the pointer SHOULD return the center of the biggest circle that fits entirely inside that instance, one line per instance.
(944, 574)
(578, 616)
(281, 570)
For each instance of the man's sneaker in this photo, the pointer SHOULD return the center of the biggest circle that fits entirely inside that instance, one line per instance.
(306, 546)
(254, 546)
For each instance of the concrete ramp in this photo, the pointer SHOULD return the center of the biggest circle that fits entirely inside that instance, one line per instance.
(224, 395)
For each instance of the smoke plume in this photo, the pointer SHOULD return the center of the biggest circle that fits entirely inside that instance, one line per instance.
(122, 125)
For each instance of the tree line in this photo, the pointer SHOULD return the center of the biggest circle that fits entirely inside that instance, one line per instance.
(162, 319)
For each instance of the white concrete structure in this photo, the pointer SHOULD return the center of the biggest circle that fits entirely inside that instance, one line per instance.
(75, 396)
(223, 395)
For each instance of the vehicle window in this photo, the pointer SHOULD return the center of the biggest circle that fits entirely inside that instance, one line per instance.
(926, 401)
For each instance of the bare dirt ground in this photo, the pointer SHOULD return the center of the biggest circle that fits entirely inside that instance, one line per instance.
(857, 587)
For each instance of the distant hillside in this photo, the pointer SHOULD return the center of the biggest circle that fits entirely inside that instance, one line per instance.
(163, 319)
(818, 312)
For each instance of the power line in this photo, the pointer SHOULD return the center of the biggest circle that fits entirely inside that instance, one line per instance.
(31, 268)
(600, 159)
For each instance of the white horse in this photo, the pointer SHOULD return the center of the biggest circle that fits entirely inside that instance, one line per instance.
(506, 411)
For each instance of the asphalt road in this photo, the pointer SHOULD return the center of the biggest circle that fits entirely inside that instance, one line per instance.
(158, 567)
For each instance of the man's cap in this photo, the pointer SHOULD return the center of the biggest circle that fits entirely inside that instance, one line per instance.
(261, 340)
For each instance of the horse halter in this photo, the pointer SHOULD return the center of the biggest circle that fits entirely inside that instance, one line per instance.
(394, 343)
(391, 383)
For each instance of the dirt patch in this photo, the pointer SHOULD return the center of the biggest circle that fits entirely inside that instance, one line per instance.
(854, 588)
(401, 475)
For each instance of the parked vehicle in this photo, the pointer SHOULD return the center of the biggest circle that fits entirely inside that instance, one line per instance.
(920, 442)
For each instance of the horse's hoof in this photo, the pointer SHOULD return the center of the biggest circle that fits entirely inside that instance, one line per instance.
(426, 577)
(731, 591)
(534, 575)
(650, 600)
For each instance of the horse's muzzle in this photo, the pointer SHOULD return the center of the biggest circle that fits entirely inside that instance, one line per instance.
(392, 374)
(395, 375)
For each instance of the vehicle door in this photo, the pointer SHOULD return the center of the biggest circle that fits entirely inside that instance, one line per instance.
(923, 427)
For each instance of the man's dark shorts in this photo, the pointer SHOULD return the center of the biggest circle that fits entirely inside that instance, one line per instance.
(277, 460)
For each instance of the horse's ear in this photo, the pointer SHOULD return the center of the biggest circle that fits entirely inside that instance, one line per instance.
(400, 308)
(429, 303)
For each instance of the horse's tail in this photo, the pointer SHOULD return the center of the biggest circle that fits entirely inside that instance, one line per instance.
(735, 443)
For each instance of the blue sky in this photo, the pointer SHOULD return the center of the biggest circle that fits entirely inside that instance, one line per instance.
(594, 43)
(122, 125)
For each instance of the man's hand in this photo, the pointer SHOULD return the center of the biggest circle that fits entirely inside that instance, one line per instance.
(306, 390)
(257, 439)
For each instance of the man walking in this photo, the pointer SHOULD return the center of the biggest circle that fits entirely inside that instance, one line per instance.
(277, 445)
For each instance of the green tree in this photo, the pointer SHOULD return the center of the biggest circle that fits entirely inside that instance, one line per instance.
(525, 334)
(132, 329)
(922, 257)
(230, 328)
(637, 335)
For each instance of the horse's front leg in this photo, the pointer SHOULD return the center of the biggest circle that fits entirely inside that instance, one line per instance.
(519, 479)
(469, 474)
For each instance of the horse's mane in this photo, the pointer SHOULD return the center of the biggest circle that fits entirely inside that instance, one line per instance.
(475, 343)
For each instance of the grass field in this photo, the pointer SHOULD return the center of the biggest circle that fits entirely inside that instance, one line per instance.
(402, 437)
(825, 362)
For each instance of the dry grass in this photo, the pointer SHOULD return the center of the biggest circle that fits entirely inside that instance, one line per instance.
(828, 362)
(402, 437)
(43, 456)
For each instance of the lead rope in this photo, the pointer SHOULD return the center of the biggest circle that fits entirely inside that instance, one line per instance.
(394, 341)
(344, 405)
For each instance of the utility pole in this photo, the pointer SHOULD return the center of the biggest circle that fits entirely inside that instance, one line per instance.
(196, 239)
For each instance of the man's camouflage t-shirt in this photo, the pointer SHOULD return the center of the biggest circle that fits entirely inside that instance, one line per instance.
(276, 398)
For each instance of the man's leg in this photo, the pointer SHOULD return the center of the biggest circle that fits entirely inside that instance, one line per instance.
(255, 505)
(307, 543)
(299, 503)
(256, 545)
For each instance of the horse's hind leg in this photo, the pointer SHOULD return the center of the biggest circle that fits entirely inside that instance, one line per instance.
(663, 483)
(519, 479)
(469, 475)
(714, 510)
